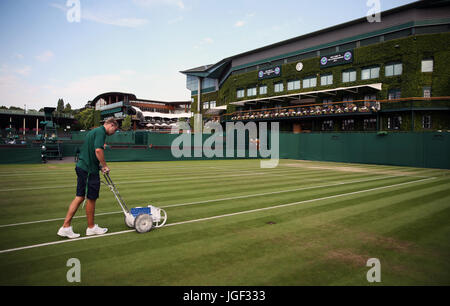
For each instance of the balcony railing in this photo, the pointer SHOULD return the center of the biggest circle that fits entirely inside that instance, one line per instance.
(33, 113)
(338, 108)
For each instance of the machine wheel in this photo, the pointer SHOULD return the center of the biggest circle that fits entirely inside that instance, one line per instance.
(163, 218)
(143, 223)
(129, 220)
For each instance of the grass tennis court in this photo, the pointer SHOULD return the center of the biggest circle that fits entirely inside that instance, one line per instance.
(231, 222)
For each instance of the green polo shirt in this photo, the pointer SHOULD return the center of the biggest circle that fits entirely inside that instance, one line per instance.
(95, 139)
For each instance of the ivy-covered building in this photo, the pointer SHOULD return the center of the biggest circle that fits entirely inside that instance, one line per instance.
(357, 76)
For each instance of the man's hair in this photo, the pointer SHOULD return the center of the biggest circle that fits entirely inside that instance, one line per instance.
(112, 121)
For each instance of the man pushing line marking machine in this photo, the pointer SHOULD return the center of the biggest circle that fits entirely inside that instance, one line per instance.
(143, 219)
(90, 161)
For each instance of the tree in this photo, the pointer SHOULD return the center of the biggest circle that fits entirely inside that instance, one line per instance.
(85, 118)
(68, 109)
(126, 124)
(60, 106)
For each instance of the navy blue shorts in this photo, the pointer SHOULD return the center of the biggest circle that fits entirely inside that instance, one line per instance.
(93, 184)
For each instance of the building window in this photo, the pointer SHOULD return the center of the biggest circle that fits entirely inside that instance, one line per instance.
(263, 89)
(293, 85)
(426, 122)
(212, 104)
(427, 65)
(348, 100)
(394, 123)
(191, 83)
(349, 76)
(279, 87)
(394, 94)
(327, 101)
(327, 125)
(309, 82)
(240, 93)
(326, 80)
(208, 83)
(393, 69)
(370, 73)
(370, 124)
(251, 91)
(348, 125)
(205, 105)
(427, 92)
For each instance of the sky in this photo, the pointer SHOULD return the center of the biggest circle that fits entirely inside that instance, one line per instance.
(78, 49)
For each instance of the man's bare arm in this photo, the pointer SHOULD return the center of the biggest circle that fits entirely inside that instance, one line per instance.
(101, 158)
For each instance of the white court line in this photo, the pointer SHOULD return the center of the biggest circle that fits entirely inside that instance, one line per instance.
(213, 200)
(56, 219)
(216, 217)
(133, 182)
(165, 180)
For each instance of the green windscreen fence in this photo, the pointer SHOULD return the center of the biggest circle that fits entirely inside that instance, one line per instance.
(19, 154)
(429, 150)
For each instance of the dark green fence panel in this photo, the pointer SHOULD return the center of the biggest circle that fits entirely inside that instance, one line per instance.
(436, 153)
(430, 150)
(20, 155)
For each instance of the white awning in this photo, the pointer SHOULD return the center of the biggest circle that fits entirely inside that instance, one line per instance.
(219, 107)
(331, 91)
(167, 116)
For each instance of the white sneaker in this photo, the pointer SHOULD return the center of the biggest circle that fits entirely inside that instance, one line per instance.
(67, 232)
(96, 230)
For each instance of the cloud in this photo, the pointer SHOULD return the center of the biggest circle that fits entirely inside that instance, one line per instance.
(149, 3)
(244, 21)
(130, 22)
(239, 23)
(204, 41)
(24, 71)
(79, 91)
(164, 86)
(18, 56)
(208, 40)
(15, 91)
(121, 22)
(7, 72)
(45, 56)
(175, 20)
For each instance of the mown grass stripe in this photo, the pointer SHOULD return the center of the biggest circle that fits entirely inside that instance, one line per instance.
(222, 216)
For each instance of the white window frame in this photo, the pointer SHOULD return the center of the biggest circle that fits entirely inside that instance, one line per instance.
(427, 65)
(326, 79)
(263, 89)
(426, 122)
(370, 73)
(251, 91)
(351, 76)
(205, 105)
(278, 87)
(427, 92)
(293, 85)
(309, 82)
(394, 94)
(240, 93)
(393, 69)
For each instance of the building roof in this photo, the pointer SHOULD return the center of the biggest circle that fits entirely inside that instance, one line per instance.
(132, 97)
(242, 58)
